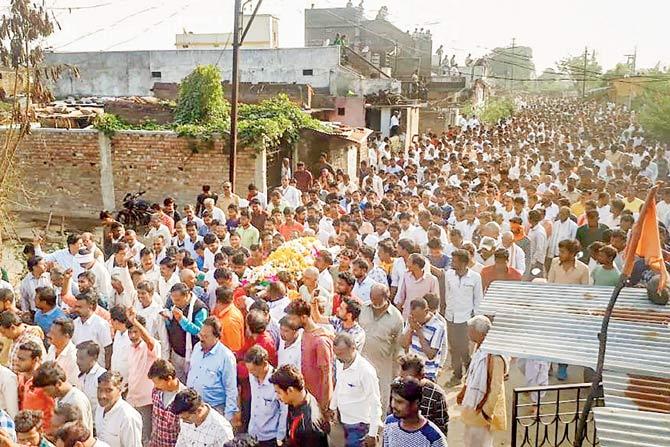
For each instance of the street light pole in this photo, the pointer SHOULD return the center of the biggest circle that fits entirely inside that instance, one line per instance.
(235, 88)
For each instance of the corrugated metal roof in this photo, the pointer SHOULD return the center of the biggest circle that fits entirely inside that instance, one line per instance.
(625, 428)
(560, 323)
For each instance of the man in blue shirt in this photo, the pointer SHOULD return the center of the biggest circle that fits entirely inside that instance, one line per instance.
(406, 426)
(268, 415)
(47, 310)
(213, 372)
(7, 426)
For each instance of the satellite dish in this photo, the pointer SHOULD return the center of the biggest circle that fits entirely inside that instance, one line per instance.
(535, 272)
(580, 254)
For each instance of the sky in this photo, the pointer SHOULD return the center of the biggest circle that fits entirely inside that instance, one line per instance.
(553, 29)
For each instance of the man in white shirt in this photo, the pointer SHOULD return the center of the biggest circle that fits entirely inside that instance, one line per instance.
(324, 260)
(90, 326)
(407, 230)
(213, 247)
(214, 211)
(277, 300)
(9, 400)
(663, 207)
(604, 211)
(51, 378)
(563, 228)
(363, 285)
(121, 343)
(148, 266)
(380, 233)
(469, 225)
(550, 208)
(395, 124)
(61, 349)
(538, 243)
(134, 246)
(200, 425)
(290, 193)
(148, 306)
(517, 258)
(90, 371)
(192, 238)
(103, 281)
(356, 395)
(117, 423)
(463, 294)
(37, 277)
(167, 279)
(157, 228)
(64, 257)
(290, 349)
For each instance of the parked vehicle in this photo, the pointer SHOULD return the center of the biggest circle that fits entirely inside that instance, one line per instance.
(135, 212)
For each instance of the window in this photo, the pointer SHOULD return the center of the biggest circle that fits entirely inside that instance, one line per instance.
(340, 111)
(156, 74)
(308, 72)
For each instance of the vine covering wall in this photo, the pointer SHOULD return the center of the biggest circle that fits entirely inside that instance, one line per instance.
(202, 112)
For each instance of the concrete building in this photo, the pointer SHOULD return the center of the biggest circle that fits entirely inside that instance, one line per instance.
(397, 52)
(263, 33)
(134, 73)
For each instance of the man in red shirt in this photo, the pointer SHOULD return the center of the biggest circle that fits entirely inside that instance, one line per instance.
(290, 229)
(500, 270)
(29, 358)
(317, 353)
(257, 323)
(303, 177)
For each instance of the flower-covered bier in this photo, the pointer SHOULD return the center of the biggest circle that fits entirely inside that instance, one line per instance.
(293, 256)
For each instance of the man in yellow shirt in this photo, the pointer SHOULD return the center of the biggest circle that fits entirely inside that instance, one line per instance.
(579, 207)
(632, 203)
(6, 303)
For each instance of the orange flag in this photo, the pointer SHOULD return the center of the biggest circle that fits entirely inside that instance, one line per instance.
(645, 240)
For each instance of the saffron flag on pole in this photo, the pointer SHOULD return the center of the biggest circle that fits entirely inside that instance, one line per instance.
(645, 241)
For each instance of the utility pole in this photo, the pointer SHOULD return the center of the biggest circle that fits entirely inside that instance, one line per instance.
(238, 40)
(631, 60)
(586, 55)
(511, 84)
(235, 90)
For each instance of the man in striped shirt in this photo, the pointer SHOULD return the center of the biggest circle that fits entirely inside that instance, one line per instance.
(424, 335)
(407, 427)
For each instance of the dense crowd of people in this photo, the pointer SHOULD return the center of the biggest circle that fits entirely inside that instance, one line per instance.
(161, 340)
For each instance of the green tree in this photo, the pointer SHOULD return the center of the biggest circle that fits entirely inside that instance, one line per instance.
(511, 67)
(497, 109)
(655, 110)
(620, 70)
(551, 81)
(201, 99)
(574, 67)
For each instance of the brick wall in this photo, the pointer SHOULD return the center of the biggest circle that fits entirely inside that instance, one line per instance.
(61, 170)
(66, 168)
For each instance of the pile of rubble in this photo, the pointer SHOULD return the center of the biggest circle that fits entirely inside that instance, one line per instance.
(69, 114)
(80, 113)
(385, 97)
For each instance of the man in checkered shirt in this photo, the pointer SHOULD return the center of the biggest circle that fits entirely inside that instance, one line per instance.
(433, 398)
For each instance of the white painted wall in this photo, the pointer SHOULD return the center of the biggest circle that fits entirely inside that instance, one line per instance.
(129, 73)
